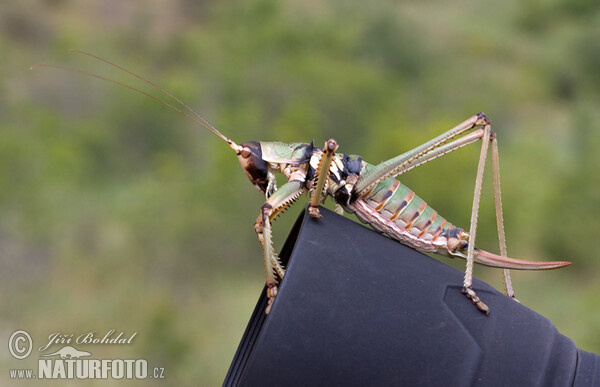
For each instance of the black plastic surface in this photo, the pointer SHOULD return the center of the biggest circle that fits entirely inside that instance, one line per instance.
(359, 309)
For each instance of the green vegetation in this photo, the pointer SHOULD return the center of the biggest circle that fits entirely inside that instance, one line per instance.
(117, 213)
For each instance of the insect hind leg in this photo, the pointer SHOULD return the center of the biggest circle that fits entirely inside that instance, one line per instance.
(488, 138)
(468, 280)
(499, 217)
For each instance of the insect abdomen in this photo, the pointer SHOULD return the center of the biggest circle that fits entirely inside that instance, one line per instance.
(405, 216)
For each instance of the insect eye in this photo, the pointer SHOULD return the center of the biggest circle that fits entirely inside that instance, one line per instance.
(245, 152)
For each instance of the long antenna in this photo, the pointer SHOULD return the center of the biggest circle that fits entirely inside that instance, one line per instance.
(190, 114)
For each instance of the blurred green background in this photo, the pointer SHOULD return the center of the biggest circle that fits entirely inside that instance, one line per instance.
(117, 213)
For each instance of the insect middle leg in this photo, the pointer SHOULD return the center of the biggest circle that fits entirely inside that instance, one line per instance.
(277, 202)
(321, 174)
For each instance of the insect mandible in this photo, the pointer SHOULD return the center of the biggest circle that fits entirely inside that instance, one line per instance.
(371, 192)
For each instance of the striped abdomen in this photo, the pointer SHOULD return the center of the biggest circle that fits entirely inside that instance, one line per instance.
(394, 209)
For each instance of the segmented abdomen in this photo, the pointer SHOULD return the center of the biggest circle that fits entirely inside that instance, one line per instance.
(393, 208)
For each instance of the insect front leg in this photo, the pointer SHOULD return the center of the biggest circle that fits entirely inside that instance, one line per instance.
(277, 202)
(321, 174)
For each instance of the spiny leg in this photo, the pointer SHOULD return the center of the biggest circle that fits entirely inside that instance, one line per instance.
(436, 148)
(394, 166)
(321, 174)
(499, 218)
(276, 203)
(449, 147)
(429, 151)
(442, 150)
(468, 281)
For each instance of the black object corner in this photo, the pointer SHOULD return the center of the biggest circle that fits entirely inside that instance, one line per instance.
(359, 309)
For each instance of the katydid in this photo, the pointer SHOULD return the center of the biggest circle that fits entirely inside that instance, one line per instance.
(371, 192)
